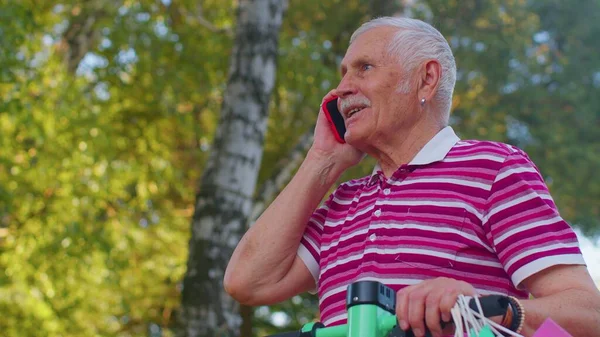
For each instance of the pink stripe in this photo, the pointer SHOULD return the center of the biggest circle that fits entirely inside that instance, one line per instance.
(504, 224)
(534, 242)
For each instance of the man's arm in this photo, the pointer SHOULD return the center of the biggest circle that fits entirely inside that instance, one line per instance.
(566, 294)
(265, 268)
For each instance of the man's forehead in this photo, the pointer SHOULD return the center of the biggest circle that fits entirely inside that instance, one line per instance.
(372, 43)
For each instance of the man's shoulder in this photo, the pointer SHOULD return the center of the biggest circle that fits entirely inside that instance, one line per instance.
(485, 147)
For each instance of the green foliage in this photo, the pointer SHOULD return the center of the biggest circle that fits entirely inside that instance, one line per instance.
(100, 168)
(559, 99)
(100, 163)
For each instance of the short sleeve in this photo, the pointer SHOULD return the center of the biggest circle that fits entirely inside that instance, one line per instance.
(523, 223)
(310, 244)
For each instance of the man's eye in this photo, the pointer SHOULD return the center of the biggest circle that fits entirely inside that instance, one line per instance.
(366, 66)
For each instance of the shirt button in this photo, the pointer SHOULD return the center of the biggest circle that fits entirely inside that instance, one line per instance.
(386, 191)
(372, 237)
(378, 212)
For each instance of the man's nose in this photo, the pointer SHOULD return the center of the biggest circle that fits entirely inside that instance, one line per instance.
(346, 87)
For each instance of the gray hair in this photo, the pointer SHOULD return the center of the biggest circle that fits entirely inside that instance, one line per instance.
(415, 42)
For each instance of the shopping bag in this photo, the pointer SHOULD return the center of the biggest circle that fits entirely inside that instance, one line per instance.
(550, 329)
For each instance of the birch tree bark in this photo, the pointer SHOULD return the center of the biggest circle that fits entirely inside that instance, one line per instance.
(282, 175)
(224, 202)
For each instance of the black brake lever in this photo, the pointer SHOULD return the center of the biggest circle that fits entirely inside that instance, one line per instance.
(287, 334)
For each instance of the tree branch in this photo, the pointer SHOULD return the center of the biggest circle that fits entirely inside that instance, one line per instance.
(175, 14)
(207, 24)
(81, 35)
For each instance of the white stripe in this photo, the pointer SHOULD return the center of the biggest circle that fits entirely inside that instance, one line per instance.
(540, 264)
(391, 280)
(472, 238)
(377, 225)
(431, 252)
(521, 228)
(497, 159)
(515, 170)
(462, 182)
(312, 243)
(316, 223)
(347, 201)
(356, 182)
(456, 204)
(310, 263)
(509, 204)
(352, 217)
(342, 261)
(350, 235)
(532, 251)
(342, 316)
(332, 292)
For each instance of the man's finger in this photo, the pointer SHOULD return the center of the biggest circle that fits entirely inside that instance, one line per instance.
(447, 302)
(432, 313)
(402, 307)
(416, 314)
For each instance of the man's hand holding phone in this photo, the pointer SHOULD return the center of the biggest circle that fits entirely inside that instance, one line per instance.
(329, 139)
(335, 118)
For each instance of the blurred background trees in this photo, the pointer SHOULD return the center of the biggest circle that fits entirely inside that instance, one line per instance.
(108, 110)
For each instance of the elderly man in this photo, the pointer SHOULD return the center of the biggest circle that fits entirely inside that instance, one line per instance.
(438, 216)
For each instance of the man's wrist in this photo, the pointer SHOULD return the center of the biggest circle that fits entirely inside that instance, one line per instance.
(325, 166)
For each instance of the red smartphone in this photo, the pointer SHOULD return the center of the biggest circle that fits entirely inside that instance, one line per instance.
(336, 121)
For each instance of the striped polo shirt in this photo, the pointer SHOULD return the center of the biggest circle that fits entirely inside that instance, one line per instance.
(476, 211)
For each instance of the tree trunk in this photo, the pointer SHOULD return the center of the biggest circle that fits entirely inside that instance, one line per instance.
(282, 174)
(224, 202)
(247, 314)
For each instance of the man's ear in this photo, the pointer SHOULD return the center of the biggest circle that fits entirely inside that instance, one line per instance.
(429, 75)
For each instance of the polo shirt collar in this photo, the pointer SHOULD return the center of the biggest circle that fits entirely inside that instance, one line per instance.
(435, 150)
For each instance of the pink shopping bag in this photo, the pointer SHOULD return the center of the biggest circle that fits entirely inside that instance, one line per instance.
(550, 329)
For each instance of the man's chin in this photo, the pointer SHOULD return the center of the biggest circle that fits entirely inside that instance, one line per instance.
(355, 139)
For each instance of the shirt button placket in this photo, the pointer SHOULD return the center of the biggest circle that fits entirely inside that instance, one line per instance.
(383, 187)
(375, 215)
